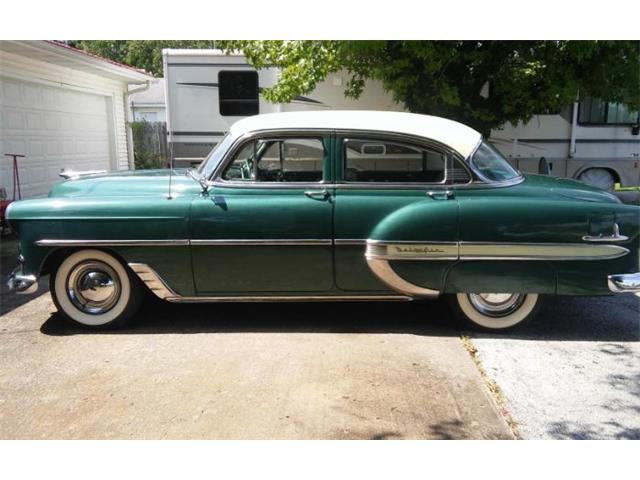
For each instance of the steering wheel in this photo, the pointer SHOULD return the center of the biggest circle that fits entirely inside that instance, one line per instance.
(245, 170)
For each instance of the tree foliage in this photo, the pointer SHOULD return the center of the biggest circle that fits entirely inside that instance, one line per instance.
(481, 83)
(144, 54)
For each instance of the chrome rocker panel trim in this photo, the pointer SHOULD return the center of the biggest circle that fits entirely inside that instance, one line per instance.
(158, 286)
(22, 284)
(624, 282)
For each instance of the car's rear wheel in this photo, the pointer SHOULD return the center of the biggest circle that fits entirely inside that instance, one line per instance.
(494, 311)
(93, 289)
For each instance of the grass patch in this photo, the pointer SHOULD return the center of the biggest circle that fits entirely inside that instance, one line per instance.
(494, 389)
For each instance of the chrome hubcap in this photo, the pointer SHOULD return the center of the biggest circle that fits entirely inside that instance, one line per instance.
(93, 287)
(496, 304)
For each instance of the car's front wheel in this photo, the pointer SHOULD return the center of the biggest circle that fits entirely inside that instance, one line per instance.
(494, 311)
(94, 289)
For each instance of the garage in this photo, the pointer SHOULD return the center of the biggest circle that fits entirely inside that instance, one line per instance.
(55, 129)
(63, 109)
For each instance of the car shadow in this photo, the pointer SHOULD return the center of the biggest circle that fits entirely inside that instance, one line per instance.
(612, 319)
(309, 317)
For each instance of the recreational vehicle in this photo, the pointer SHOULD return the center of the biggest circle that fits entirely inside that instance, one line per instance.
(207, 91)
(594, 141)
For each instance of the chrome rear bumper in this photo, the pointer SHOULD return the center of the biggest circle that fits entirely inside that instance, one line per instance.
(624, 282)
(20, 283)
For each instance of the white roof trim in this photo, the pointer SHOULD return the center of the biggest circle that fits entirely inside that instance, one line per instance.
(455, 135)
(50, 52)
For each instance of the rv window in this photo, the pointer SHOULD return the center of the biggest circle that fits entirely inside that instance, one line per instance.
(593, 111)
(238, 93)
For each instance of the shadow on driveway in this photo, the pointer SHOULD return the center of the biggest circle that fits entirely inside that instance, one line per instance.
(611, 319)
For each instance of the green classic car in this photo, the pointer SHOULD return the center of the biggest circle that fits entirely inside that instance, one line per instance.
(311, 206)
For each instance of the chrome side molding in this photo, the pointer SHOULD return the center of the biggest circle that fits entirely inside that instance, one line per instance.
(624, 282)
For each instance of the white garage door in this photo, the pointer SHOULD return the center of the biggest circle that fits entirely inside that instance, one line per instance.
(55, 128)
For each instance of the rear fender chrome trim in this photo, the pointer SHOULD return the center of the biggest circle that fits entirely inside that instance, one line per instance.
(539, 251)
(381, 269)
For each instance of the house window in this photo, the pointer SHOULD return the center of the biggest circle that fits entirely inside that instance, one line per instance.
(593, 111)
(390, 162)
(238, 93)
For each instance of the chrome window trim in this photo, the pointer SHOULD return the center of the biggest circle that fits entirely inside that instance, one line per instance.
(343, 165)
(216, 175)
(216, 180)
(485, 180)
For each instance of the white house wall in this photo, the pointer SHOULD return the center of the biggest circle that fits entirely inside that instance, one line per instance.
(23, 68)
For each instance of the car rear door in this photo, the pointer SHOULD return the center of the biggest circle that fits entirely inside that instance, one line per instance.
(394, 200)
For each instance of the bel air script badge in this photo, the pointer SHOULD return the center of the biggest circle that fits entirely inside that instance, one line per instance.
(416, 250)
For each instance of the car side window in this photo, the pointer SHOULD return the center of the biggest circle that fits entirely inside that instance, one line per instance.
(384, 161)
(278, 160)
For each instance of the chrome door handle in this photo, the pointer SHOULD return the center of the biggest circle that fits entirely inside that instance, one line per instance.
(446, 195)
(317, 194)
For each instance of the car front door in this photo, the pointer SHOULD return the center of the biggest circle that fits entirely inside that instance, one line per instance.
(395, 200)
(266, 224)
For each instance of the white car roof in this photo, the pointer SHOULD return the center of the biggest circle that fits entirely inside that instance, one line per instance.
(455, 135)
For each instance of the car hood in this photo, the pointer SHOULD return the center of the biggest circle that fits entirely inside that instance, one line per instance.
(138, 183)
(568, 189)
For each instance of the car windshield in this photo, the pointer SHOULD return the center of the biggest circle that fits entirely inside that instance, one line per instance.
(207, 167)
(492, 165)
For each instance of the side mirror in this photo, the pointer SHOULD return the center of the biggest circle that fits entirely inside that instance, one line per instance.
(635, 129)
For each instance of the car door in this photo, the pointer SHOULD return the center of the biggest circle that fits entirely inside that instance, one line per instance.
(395, 194)
(266, 224)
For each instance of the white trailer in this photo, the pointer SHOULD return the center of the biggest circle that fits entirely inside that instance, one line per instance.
(207, 91)
(593, 141)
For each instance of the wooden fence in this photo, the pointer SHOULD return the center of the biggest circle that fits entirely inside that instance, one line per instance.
(150, 144)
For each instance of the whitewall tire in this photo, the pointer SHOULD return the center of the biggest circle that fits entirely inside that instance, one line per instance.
(494, 311)
(94, 289)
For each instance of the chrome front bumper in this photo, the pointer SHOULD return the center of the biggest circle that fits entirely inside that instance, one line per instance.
(624, 282)
(20, 283)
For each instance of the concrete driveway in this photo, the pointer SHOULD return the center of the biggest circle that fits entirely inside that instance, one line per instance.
(360, 371)
(573, 373)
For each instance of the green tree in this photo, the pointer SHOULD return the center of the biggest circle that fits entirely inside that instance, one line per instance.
(481, 83)
(144, 54)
